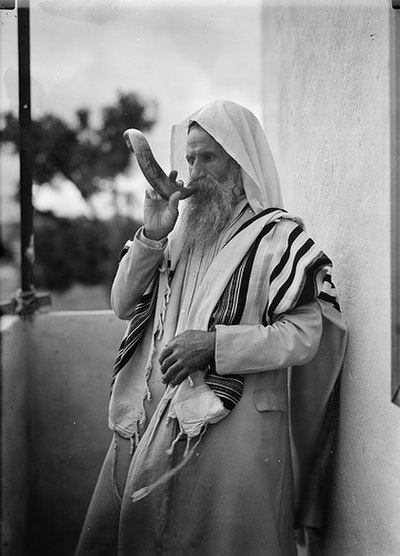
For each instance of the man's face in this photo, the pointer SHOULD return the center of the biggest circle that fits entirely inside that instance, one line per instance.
(217, 179)
(206, 157)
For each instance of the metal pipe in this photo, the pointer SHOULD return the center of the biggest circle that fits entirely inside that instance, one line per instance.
(25, 147)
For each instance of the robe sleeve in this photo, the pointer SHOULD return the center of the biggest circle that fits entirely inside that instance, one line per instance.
(135, 272)
(293, 339)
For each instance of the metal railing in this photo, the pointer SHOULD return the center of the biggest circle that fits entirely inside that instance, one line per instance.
(26, 300)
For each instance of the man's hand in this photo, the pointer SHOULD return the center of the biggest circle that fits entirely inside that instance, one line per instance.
(191, 351)
(160, 215)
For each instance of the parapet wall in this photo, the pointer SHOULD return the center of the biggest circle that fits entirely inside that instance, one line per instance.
(14, 437)
(56, 374)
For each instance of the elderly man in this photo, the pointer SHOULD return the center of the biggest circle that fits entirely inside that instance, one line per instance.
(224, 292)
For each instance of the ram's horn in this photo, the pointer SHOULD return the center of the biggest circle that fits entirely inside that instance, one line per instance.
(152, 171)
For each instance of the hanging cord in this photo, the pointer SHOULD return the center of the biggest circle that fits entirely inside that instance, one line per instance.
(145, 491)
(159, 331)
(26, 303)
(116, 494)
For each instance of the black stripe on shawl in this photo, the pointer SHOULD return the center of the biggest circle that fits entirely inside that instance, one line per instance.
(253, 219)
(330, 299)
(230, 307)
(123, 252)
(225, 310)
(143, 311)
(309, 291)
(285, 257)
(249, 266)
(125, 248)
(283, 289)
(229, 311)
(228, 388)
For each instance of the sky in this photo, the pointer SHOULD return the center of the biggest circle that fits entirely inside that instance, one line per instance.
(181, 54)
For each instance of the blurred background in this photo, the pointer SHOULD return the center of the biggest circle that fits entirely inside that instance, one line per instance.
(323, 77)
(97, 68)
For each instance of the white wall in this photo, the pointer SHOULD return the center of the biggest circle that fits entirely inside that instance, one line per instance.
(327, 115)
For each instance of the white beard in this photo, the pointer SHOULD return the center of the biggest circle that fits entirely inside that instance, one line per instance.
(208, 210)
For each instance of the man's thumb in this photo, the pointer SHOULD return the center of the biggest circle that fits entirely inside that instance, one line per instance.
(173, 202)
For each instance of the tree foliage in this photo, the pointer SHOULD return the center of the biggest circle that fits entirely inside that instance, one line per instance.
(82, 153)
(71, 251)
(80, 250)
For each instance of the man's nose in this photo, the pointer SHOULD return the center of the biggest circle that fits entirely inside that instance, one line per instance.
(197, 170)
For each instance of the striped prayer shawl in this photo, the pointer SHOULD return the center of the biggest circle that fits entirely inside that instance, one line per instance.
(137, 325)
(229, 311)
(301, 275)
(143, 311)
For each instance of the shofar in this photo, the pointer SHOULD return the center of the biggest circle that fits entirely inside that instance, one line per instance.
(152, 171)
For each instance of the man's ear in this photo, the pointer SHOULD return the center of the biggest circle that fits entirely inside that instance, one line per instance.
(235, 171)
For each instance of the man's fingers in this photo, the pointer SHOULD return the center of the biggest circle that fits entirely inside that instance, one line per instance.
(150, 193)
(166, 352)
(174, 376)
(174, 370)
(167, 363)
(173, 175)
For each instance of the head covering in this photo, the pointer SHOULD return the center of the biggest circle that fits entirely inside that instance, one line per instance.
(240, 133)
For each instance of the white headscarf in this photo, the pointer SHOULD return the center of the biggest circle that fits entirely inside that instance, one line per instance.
(240, 133)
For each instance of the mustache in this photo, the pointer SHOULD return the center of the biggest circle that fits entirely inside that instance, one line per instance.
(205, 183)
(202, 183)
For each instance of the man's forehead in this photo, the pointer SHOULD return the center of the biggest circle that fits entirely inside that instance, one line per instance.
(198, 138)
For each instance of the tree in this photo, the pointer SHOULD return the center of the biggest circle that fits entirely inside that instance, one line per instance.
(80, 250)
(81, 153)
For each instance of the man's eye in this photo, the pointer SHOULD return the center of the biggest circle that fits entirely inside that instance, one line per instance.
(190, 161)
(209, 157)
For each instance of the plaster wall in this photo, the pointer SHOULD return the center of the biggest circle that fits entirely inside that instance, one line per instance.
(71, 361)
(326, 94)
(56, 373)
(14, 438)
